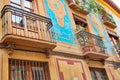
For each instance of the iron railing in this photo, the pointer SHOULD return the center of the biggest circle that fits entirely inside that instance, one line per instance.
(90, 42)
(17, 21)
(107, 17)
(27, 70)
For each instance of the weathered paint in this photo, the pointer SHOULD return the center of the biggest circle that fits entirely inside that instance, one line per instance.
(62, 28)
(71, 69)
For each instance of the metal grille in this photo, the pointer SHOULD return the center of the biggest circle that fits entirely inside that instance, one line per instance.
(87, 39)
(28, 70)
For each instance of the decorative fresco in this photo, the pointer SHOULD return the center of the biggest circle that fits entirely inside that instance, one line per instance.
(99, 30)
(70, 69)
(57, 11)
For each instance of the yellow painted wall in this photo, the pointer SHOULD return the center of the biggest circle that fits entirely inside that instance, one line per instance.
(69, 71)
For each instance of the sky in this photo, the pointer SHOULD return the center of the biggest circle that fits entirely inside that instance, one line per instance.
(117, 2)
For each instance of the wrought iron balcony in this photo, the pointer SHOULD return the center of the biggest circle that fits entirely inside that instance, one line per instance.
(26, 30)
(92, 45)
(78, 6)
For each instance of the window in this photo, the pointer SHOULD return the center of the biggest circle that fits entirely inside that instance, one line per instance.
(114, 40)
(81, 23)
(17, 19)
(16, 3)
(98, 74)
(24, 4)
(28, 5)
(28, 70)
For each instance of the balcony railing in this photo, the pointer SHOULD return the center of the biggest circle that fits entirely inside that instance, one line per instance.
(92, 45)
(108, 20)
(79, 6)
(25, 28)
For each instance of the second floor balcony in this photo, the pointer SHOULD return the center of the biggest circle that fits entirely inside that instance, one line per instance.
(26, 30)
(108, 20)
(79, 6)
(92, 45)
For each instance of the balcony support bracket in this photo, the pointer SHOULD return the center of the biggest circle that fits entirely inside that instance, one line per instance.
(10, 47)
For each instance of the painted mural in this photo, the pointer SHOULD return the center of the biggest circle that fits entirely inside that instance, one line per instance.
(57, 11)
(99, 30)
(71, 69)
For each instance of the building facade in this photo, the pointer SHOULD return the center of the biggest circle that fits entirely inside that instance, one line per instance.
(59, 40)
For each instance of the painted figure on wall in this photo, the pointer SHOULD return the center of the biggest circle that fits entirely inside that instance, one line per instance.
(57, 11)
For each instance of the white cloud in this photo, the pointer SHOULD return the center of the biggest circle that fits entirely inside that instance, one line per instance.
(117, 2)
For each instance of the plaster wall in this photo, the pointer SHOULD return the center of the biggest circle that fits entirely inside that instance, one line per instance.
(62, 67)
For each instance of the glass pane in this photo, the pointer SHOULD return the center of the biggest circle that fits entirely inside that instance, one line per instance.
(99, 75)
(17, 20)
(16, 1)
(28, 3)
(15, 5)
(13, 18)
(17, 73)
(37, 73)
(93, 75)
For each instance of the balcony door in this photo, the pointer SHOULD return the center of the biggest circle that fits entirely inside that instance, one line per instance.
(21, 22)
(98, 74)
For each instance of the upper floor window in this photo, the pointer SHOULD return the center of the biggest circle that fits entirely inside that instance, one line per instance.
(16, 1)
(81, 23)
(28, 5)
(17, 19)
(24, 4)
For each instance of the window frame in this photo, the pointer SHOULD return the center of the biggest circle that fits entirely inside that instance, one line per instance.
(29, 72)
(100, 71)
(23, 6)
